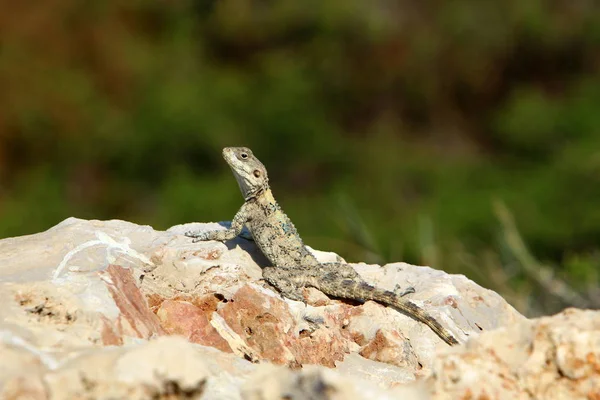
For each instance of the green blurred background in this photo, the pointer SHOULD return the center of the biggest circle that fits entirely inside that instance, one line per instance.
(463, 135)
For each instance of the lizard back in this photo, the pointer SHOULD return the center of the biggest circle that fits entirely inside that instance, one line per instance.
(276, 235)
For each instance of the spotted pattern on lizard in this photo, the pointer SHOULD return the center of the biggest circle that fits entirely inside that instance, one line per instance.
(294, 267)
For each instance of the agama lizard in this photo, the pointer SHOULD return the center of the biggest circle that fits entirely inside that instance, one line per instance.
(294, 267)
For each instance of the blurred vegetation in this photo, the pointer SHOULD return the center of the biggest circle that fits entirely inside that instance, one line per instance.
(464, 135)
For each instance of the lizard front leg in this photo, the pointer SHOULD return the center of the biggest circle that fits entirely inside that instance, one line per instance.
(237, 224)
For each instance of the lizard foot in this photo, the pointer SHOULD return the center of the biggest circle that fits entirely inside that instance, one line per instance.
(404, 292)
(198, 236)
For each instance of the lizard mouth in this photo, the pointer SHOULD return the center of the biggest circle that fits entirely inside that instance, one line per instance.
(229, 155)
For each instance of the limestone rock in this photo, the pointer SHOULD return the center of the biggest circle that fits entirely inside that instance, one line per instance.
(88, 308)
(554, 357)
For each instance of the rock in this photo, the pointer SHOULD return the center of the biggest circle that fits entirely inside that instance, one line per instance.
(271, 383)
(89, 308)
(554, 357)
(192, 321)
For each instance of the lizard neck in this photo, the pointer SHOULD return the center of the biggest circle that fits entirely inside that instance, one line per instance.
(262, 193)
(267, 196)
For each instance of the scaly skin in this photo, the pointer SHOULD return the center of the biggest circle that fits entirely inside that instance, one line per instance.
(294, 266)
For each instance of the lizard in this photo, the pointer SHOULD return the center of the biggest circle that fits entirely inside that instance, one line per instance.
(294, 267)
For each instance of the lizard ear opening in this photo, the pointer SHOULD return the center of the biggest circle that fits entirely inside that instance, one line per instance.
(244, 155)
(257, 173)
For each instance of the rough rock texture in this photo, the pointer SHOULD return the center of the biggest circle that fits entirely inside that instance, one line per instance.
(554, 357)
(110, 309)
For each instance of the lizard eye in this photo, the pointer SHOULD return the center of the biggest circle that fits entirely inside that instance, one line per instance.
(244, 155)
(257, 173)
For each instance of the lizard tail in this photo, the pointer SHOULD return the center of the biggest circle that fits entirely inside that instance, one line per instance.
(362, 291)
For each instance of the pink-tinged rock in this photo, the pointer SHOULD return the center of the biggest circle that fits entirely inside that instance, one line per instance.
(109, 336)
(329, 341)
(179, 317)
(264, 323)
(390, 347)
(135, 319)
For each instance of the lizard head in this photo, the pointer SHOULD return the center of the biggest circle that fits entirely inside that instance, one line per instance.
(251, 174)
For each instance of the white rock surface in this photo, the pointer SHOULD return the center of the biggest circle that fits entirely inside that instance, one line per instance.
(88, 308)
